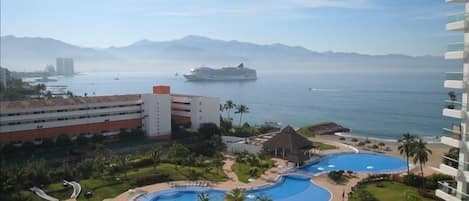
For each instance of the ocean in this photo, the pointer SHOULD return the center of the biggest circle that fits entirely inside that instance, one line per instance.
(372, 105)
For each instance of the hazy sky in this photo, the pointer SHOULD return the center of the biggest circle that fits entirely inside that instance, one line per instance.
(414, 27)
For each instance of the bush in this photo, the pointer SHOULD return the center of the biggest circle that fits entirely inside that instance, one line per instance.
(336, 176)
(382, 144)
(431, 182)
(412, 180)
(361, 144)
(342, 138)
(246, 132)
(354, 140)
(364, 195)
(151, 179)
(142, 163)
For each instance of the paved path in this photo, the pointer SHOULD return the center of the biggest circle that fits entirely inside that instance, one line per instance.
(76, 189)
(42, 194)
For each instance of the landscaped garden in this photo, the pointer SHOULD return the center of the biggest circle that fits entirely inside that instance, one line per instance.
(250, 166)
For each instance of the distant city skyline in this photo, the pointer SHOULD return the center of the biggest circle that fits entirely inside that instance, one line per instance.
(411, 27)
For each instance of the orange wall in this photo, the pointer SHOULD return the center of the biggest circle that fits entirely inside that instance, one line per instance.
(161, 90)
(29, 135)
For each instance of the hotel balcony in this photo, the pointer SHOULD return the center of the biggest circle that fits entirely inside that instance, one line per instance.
(456, 51)
(456, 113)
(452, 136)
(455, 80)
(456, 22)
(448, 192)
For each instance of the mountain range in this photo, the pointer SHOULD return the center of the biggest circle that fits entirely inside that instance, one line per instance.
(33, 53)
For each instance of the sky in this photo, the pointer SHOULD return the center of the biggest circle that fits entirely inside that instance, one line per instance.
(411, 27)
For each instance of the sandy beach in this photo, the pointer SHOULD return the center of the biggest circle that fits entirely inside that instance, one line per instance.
(435, 159)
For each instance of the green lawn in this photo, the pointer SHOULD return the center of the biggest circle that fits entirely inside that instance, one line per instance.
(304, 131)
(324, 147)
(391, 191)
(242, 170)
(107, 188)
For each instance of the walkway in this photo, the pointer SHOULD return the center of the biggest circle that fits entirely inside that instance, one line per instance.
(42, 194)
(76, 189)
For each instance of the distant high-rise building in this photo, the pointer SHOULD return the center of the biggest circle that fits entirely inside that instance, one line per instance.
(4, 78)
(64, 66)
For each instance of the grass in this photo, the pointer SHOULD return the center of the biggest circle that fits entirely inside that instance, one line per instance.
(107, 187)
(242, 171)
(391, 191)
(324, 147)
(306, 132)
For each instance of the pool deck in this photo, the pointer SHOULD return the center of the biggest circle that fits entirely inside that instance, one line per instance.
(271, 175)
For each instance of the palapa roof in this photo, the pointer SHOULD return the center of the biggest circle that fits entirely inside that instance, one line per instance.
(289, 139)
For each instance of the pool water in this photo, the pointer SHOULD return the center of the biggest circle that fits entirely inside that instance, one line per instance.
(290, 188)
(295, 187)
(357, 162)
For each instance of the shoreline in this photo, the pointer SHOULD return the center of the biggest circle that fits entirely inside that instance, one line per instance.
(434, 160)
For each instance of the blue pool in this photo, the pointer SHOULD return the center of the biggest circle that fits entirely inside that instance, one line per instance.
(290, 188)
(295, 187)
(361, 162)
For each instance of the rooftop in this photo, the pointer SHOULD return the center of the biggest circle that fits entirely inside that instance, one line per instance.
(51, 102)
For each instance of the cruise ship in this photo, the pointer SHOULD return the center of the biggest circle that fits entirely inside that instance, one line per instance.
(222, 74)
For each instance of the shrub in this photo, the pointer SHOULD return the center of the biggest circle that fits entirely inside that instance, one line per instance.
(354, 140)
(412, 180)
(374, 146)
(342, 138)
(336, 176)
(382, 144)
(364, 195)
(142, 163)
(361, 144)
(151, 179)
(431, 182)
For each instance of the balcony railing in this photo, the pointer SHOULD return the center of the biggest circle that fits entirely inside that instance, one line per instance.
(456, 17)
(454, 76)
(449, 187)
(455, 163)
(456, 47)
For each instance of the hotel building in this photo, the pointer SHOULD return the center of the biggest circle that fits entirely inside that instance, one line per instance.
(155, 113)
(65, 66)
(458, 110)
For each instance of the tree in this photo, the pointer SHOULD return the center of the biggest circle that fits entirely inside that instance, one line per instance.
(235, 195)
(178, 153)
(228, 106)
(421, 152)
(241, 109)
(263, 198)
(156, 155)
(218, 161)
(203, 197)
(406, 144)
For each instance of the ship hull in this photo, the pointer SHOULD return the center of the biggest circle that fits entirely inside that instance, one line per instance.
(190, 77)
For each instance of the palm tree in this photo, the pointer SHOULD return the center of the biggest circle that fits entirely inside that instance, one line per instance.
(203, 197)
(241, 109)
(421, 152)
(235, 195)
(263, 198)
(228, 106)
(406, 142)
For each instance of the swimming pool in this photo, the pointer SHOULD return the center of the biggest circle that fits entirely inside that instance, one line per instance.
(289, 188)
(357, 162)
(295, 187)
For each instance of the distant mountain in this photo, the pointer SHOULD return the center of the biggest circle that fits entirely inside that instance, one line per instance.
(27, 53)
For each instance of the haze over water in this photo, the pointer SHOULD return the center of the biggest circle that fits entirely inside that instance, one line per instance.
(372, 105)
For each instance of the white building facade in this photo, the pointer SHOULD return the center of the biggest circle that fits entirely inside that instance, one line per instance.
(458, 110)
(35, 120)
(65, 66)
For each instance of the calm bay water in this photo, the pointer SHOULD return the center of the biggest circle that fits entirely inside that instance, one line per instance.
(374, 105)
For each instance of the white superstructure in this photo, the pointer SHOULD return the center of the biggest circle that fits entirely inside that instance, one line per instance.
(222, 74)
(458, 110)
